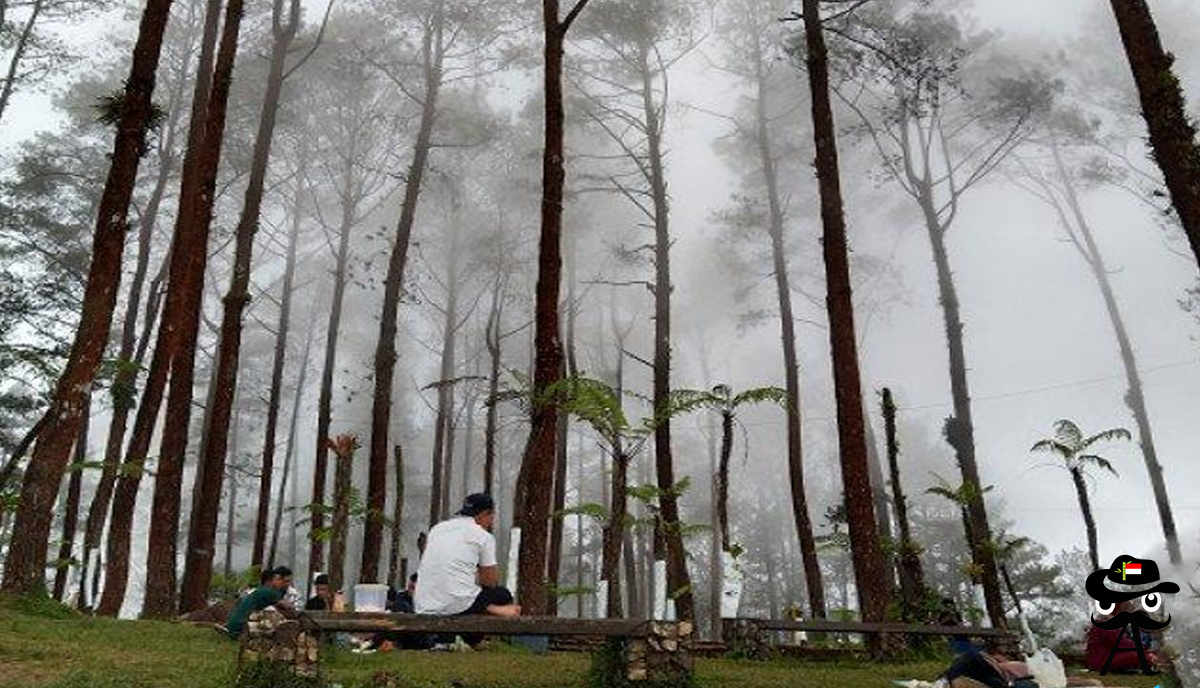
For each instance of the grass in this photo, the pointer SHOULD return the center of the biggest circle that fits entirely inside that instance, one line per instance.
(43, 646)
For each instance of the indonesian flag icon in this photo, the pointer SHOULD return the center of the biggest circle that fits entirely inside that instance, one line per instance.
(1130, 569)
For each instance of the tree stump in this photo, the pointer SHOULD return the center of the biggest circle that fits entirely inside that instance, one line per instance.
(271, 637)
(663, 656)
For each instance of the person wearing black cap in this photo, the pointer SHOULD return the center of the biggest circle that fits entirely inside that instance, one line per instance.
(322, 599)
(458, 571)
(1114, 590)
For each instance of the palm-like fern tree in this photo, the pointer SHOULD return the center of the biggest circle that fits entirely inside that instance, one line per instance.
(1075, 450)
(723, 400)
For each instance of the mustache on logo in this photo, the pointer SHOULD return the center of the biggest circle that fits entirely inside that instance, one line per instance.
(1138, 619)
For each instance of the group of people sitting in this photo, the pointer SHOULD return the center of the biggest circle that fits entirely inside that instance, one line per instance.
(458, 575)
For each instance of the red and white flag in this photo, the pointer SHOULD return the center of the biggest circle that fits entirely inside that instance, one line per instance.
(1133, 569)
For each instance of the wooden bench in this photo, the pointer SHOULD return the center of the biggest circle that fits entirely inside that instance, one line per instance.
(749, 636)
(658, 651)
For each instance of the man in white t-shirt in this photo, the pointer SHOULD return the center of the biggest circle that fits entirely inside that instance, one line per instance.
(458, 572)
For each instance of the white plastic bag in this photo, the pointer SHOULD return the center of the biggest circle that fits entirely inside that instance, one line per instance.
(1047, 669)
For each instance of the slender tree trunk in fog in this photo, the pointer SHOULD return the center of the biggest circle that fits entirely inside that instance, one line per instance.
(316, 540)
(554, 563)
(679, 587)
(960, 428)
(211, 471)
(231, 507)
(791, 363)
(385, 350)
(716, 573)
(24, 569)
(71, 509)
(468, 455)
(288, 480)
(492, 337)
(1135, 399)
(25, 39)
(160, 601)
(532, 501)
(279, 358)
(340, 527)
(1172, 133)
(443, 437)
(912, 578)
(395, 575)
(869, 566)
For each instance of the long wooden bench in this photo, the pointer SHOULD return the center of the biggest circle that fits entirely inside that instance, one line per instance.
(749, 636)
(658, 651)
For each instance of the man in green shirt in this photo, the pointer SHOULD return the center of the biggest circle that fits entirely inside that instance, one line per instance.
(273, 585)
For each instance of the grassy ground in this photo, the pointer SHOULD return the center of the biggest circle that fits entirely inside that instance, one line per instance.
(42, 646)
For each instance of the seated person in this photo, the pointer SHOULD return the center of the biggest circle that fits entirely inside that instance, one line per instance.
(322, 599)
(1100, 643)
(272, 586)
(402, 602)
(458, 571)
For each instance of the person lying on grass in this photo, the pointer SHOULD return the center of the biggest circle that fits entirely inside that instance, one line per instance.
(458, 573)
(273, 585)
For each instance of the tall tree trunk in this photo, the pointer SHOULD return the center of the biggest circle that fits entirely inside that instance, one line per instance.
(131, 353)
(385, 350)
(678, 580)
(161, 559)
(468, 452)
(912, 578)
(716, 574)
(316, 538)
(24, 40)
(278, 361)
(1134, 396)
(960, 428)
(183, 243)
(1089, 521)
(554, 561)
(791, 363)
(395, 575)
(443, 440)
(1172, 133)
(615, 543)
(340, 528)
(492, 337)
(231, 508)
(24, 569)
(289, 456)
(202, 528)
(869, 565)
(532, 500)
(70, 521)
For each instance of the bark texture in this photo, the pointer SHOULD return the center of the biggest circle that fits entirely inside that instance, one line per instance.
(869, 564)
(25, 565)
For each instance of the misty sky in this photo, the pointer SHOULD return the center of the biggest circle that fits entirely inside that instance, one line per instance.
(1038, 341)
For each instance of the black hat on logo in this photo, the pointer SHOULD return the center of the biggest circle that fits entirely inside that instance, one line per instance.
(1127, 570)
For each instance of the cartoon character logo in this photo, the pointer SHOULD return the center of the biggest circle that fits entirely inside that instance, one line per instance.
(1127, 579)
